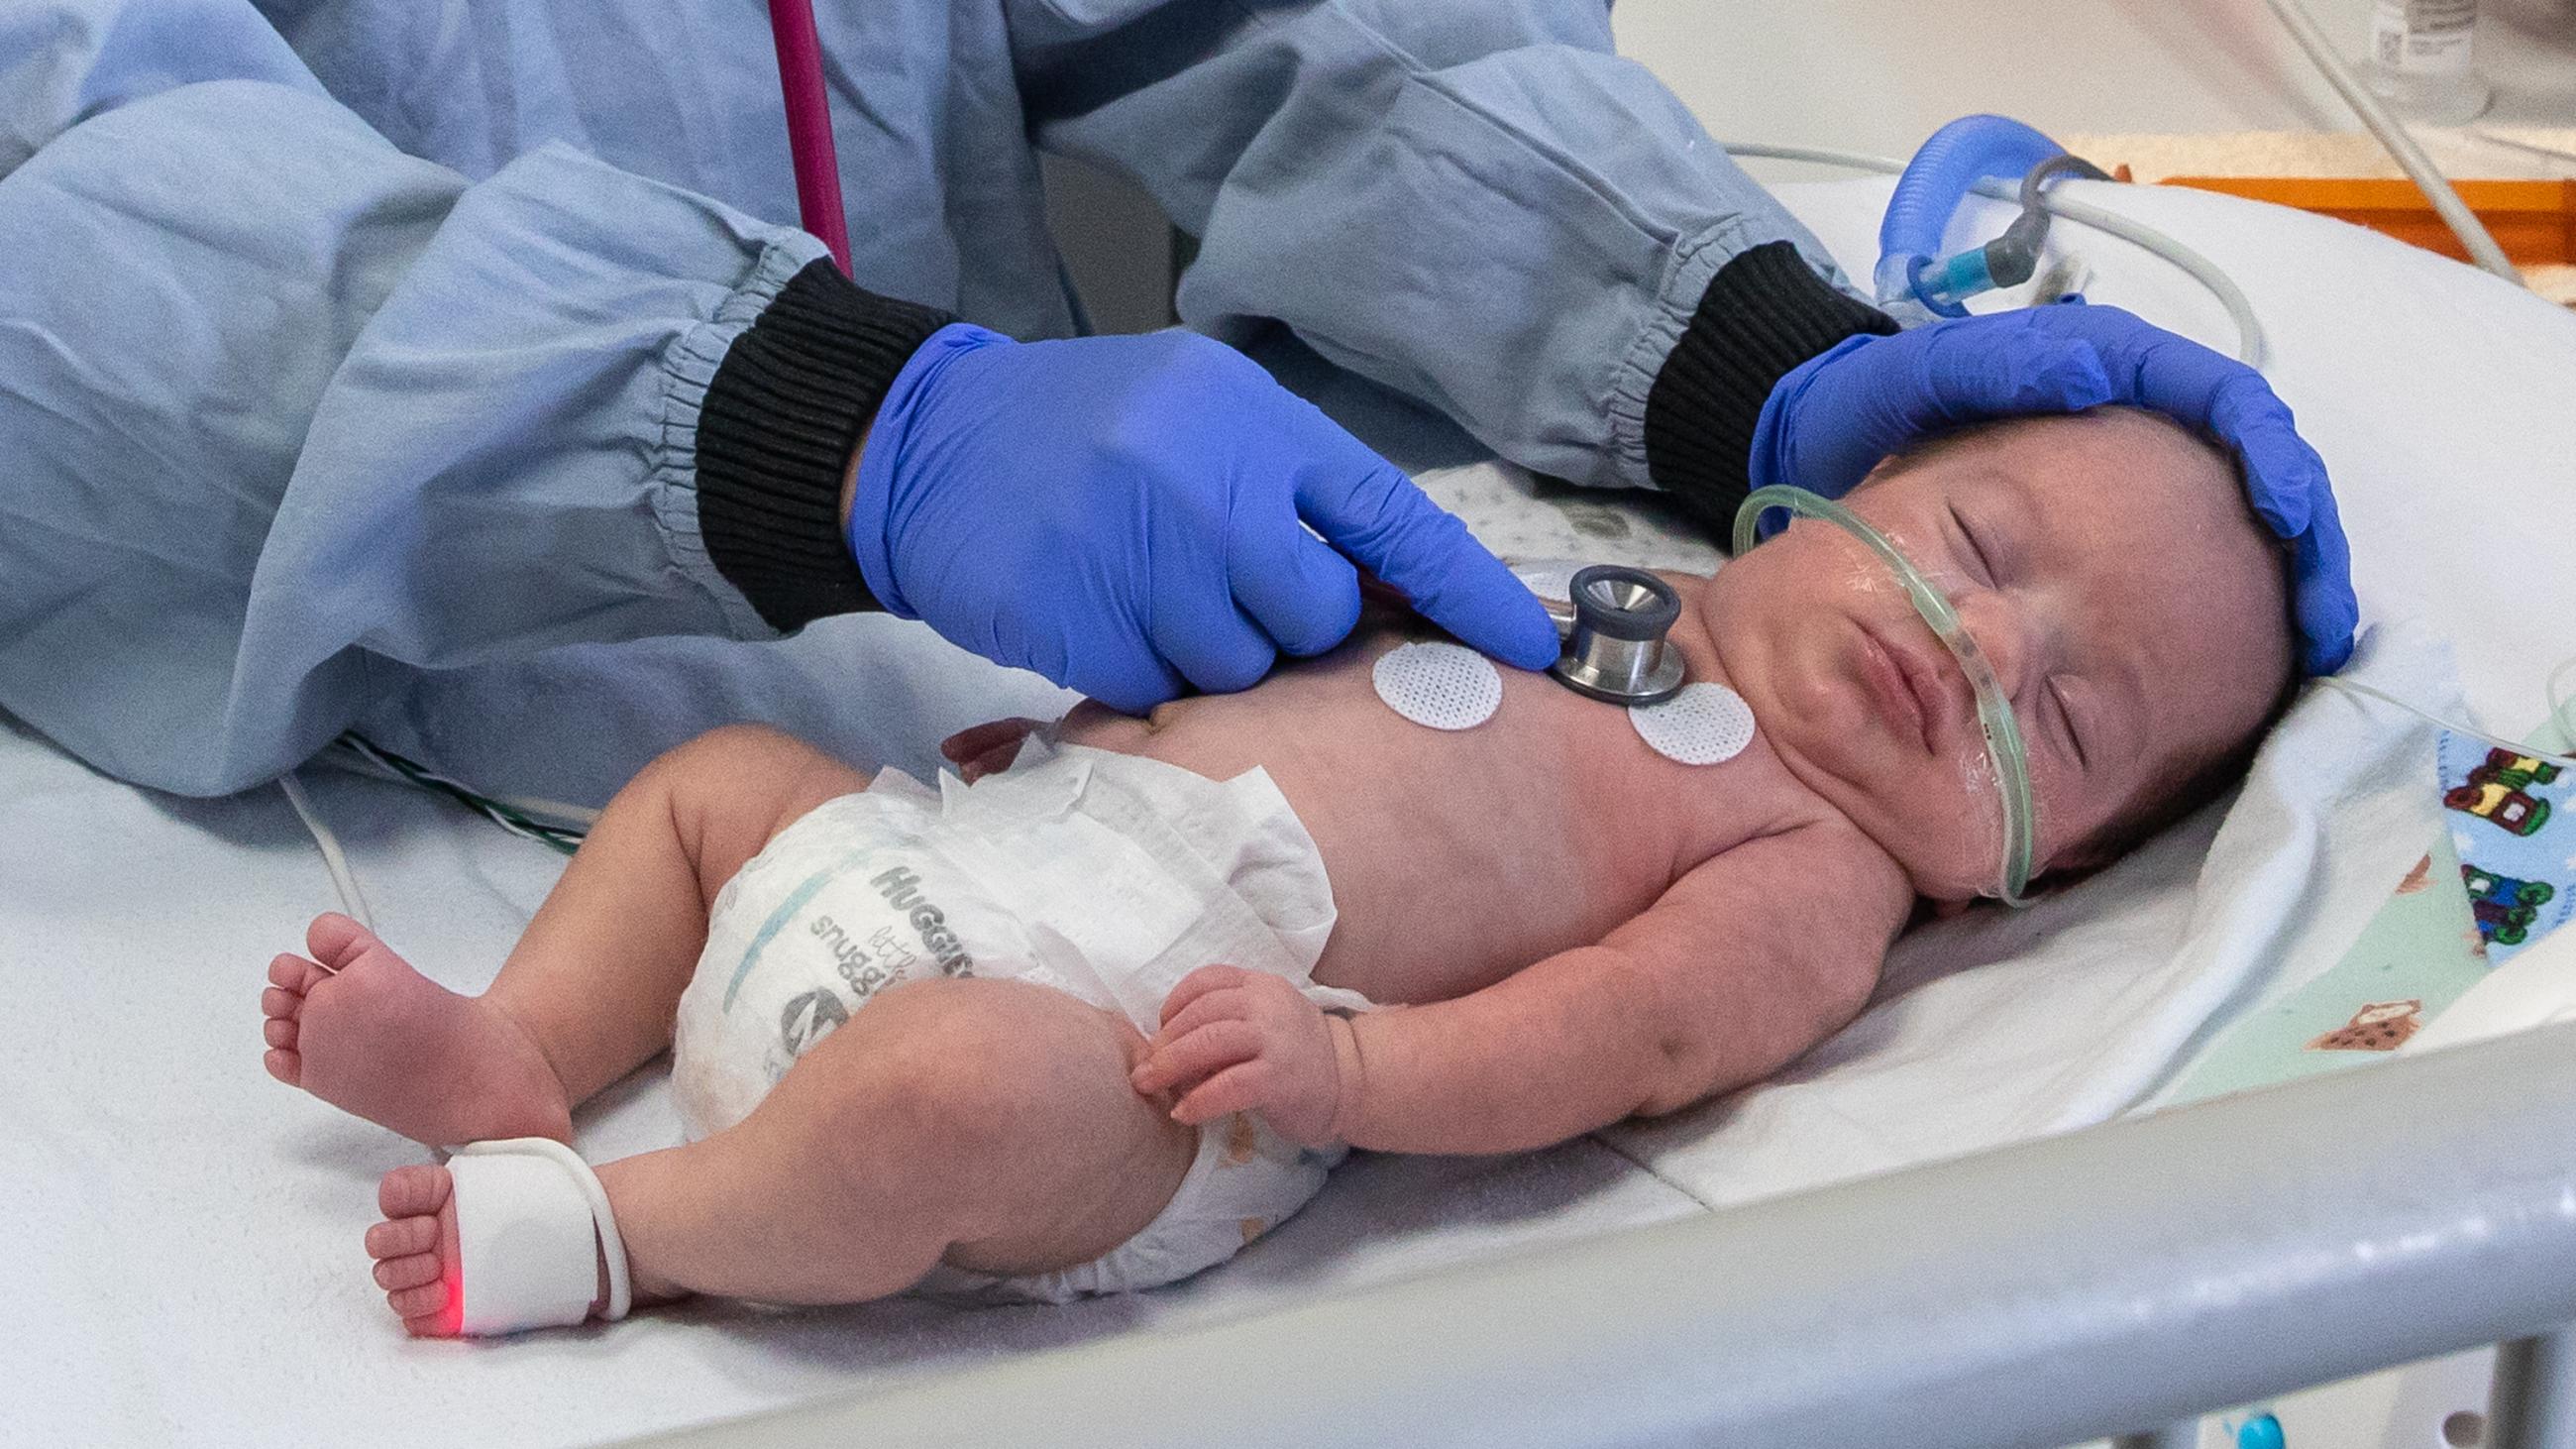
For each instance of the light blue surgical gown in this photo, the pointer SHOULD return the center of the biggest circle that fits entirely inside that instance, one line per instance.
(351, 352)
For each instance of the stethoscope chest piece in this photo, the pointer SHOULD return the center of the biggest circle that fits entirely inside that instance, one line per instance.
(1613, 626)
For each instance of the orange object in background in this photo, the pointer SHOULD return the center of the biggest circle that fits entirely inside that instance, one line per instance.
(2534, 221)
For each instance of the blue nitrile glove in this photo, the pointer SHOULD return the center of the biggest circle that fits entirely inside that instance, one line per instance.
(1122, 515)
(1836, 415)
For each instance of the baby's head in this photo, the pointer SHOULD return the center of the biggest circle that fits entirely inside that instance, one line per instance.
(2106, 563)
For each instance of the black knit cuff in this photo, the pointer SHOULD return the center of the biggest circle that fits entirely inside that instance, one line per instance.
(774, 439)
(1763, 314)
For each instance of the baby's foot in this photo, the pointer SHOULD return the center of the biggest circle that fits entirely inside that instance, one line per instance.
(415, 1250)
(416, 1253)
(360, 1029)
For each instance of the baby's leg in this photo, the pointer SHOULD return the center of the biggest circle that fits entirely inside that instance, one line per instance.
(987, 1124)
(588, 993)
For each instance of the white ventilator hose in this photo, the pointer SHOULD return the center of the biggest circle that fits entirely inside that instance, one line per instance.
(2392, 134)
(2251, 348)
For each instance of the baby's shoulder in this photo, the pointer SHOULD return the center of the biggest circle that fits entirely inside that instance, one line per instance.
(1816, 861)
(1815, 905)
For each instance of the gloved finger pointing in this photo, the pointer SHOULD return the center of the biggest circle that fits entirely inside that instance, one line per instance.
(1377, 516)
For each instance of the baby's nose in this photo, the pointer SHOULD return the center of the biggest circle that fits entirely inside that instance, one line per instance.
(2003, 633)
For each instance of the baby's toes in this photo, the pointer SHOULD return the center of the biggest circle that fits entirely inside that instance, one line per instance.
(425, 1304)
(284, 1010)
(289, 977)
(415, 1250)
(282, 1004)
(407, 1260)
(402, 1238)
(416, 1191)
(336, 941)
(396, 1275)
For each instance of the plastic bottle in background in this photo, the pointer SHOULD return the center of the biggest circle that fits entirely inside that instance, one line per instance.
(2423, 59)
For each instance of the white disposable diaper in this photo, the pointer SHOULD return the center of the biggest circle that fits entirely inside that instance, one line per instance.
(1106, 876)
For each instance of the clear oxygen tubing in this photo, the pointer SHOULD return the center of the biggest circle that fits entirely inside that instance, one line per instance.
(2252, 348)
(2393, 134)
(1994, 712)
(2561, 723)
(1968, 150)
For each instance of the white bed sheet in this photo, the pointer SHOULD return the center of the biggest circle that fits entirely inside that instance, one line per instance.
(185, 1263)
(188, 1269)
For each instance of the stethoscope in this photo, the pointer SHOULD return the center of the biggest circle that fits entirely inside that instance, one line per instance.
(1612, 626)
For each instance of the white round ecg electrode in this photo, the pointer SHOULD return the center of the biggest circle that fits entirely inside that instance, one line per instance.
(1705, 724)
(1445, 686)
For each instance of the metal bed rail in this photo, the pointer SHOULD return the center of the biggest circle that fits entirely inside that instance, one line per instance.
(2104, 1282)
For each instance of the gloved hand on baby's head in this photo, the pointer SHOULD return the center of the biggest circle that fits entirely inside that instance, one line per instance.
(1830, 420)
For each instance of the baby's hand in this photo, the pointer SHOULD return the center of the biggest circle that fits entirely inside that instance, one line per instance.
(987, 749)
(1246, 1041)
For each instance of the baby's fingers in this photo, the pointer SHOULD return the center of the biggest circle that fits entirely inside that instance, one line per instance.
(1246, 1087)
(983, 739)
(1199, 983)
(1226, 1003)
(1217, 1045)
(991, 762)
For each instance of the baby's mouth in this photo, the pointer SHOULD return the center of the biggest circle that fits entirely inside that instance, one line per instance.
(1911, 688)
(1897, 701)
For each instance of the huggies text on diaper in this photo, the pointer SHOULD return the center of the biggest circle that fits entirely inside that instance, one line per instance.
(902, 890)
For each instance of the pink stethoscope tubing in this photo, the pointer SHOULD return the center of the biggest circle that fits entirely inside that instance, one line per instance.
(809, 126)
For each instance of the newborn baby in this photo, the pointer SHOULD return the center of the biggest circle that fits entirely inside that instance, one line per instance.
(1486, 941)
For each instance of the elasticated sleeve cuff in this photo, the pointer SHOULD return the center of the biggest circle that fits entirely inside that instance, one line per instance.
(1764, 312)
(782, 414)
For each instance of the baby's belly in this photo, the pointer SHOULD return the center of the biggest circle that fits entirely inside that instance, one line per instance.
(1456, 857)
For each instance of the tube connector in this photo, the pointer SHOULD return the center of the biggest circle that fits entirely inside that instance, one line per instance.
(1910, 272)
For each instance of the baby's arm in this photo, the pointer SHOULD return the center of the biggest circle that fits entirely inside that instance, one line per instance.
(1748, 960)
